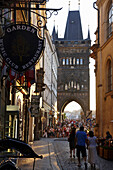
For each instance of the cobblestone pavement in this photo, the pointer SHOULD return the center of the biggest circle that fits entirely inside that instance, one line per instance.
(62, 152)
(56, 154)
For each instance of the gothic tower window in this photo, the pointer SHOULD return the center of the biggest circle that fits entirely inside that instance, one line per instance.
(78, 86)
(81, 61)
(75, 85)
(70, 61)
(71, 84)
(66, 87)
(77, 61)
(73, 61)
(67, 61)
(63, 61)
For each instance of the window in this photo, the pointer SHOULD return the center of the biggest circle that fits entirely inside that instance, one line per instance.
(82, 86)
(81, 61)
(109, 76)
(72, 84)
(78, 87)
(66, 87)
(73, 61)
(77, 61)
(75, 85)
(67, 61)
(63, 61)
(70, 61)
(69, 85)
(110, 20)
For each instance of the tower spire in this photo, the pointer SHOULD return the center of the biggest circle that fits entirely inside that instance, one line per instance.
(69, 6)
(88, 33)
(79, 5)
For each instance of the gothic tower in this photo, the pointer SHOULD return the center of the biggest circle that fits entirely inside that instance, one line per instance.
(73, 71)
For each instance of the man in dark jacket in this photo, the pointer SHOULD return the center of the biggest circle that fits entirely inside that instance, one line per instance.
(81, 138)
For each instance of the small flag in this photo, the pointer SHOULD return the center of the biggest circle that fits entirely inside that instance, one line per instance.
(4, 70)
(30, 76)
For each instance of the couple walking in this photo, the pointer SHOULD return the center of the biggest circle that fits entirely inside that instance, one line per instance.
(79, 140)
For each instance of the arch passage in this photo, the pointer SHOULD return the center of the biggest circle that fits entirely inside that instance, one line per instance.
(81, 99)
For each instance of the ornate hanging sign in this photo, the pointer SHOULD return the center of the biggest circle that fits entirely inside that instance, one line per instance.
(20, 46)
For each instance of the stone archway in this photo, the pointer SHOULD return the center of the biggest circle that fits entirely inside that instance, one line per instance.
(80, 99)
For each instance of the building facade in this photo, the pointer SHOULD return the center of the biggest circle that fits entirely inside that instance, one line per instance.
(50, 80)
(103, 55)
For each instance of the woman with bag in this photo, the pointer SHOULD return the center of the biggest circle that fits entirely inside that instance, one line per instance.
(72, 142)
(92, 152)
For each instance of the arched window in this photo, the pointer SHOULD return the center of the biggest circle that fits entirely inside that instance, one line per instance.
(110, 19)
(109, 76)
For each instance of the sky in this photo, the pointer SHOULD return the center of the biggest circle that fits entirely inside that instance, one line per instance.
(88, 19)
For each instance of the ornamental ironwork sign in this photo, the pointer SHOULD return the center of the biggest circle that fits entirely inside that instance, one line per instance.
(22, 39)
(20, 46)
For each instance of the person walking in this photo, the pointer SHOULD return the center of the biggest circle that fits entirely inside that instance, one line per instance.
(72, 142)
(108, 135)
(81, 139)
(92, 152)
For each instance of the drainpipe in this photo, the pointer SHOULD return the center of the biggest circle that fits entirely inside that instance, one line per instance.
(98, 21)
(100, 92)
(100, 130)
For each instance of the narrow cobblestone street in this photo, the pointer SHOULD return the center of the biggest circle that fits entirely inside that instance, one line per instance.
(55, 153)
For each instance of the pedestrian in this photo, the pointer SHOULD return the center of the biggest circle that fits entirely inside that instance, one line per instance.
(72, 142)
(92, 152)
(45, 133)
(67, 131)
(108, 135)
(81, 139)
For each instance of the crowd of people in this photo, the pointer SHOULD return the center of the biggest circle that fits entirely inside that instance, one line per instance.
(63, 129)
(79, 138)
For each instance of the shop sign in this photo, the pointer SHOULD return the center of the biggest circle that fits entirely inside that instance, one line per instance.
(35, 105)
(20, 46)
